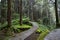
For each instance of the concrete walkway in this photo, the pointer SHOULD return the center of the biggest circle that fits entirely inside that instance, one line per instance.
(27, 33)
(33, 36)
(53, 35)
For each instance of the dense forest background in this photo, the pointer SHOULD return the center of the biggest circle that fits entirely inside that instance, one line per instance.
(34, 10)
(18, 13)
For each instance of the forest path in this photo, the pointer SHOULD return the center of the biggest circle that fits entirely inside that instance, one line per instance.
(27, 35)
(53, 35)
(33, 36)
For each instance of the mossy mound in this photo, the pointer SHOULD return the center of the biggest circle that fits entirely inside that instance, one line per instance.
(21, 26)
(43, 34)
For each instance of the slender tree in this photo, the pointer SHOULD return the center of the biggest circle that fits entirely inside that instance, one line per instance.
(20, 11)
(56, 13)
(9, 13)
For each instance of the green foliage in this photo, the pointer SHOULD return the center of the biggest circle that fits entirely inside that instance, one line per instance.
(42, 28)
(15, 22)
(43, 34)
(3, 25)
(23, 26)
(26, 20)
(39, 21)
(15, 25)
(15, 15)
(51, 27)
(26, 24)
(16, 28)
(46, 21)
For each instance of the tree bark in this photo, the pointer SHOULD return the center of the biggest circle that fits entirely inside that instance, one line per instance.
(20, 11)
(56, 13)
(9, 13)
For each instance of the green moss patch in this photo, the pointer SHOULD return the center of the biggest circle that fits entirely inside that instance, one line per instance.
(43, 34)
(23, 26)
(43, 30)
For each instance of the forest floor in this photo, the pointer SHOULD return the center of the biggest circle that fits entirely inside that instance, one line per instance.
(2, 35)
(27, 34)
(32, 36)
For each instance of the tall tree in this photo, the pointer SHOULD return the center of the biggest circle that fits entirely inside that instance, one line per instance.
(20, 11)
(9, 13)
(56, 13)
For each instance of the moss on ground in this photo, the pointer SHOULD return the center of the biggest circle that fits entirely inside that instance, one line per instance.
(14, 29)
(23, 26)
(43, 34)
(42, 28)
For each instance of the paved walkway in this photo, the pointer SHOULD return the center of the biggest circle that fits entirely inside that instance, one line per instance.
(27, 33)
(34, 36)
(54, 35)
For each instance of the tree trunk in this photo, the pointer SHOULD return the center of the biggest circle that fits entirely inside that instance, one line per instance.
(9, 13)
(20, 11)
(56, 13)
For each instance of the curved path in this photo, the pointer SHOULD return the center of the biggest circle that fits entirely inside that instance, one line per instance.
(26, 34)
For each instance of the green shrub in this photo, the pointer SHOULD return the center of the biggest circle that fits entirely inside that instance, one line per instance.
(51, 27)
(39, 21)
(25, 20)
(3, 26)
(42, 28)
(17, 30)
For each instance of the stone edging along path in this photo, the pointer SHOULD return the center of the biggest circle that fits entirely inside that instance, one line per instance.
(25, 34)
